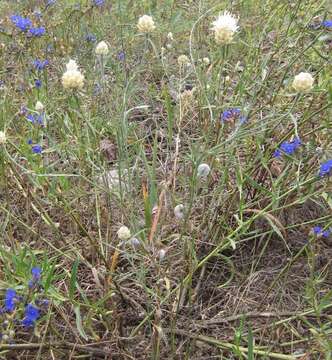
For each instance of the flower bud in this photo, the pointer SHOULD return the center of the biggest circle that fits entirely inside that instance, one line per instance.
(203, 170)
(39, 106)
(179, 211)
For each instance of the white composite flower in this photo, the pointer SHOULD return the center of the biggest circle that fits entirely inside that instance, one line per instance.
(224, 27)
(71, 65)
(146, 24)
(170, 36)
(124, 233)
(206, 61)
(2, 137)
(102, 49)
(183, 60)
(161, 254)
(203, 170)
(179, 211)
(39, 106)
(72, 78)
(303, 82)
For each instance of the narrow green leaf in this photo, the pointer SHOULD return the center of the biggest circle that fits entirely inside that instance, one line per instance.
(79, 324)
(73, 279)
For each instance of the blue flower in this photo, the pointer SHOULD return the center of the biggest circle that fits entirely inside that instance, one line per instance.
(37, 149)
(288, 147)
(99, 2)
(317, 229)
(38, 83)
(327, 23)
(121, 56)
(20, 22)
(230, 114)
(326, 233)
(40, 64)
(10, 300)
(36, 273)
(37, 31)
(325, 168)
(90, 37)
(36, 119)
(31, 314)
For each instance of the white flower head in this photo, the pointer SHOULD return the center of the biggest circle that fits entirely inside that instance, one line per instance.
(124, 233)
(102, 49)
(71, 65)
(303, 82)
(170, 36)
(146, 24)
(183, 60)
(161, 254)
(39, 106)
(179, 211)
(224, 27)
(2, 137)
(203, 170)
(206, 61)
(72, 78)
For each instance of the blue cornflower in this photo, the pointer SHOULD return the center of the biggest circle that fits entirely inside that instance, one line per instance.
(230, 114)
(327, 23)
(90, 37)
(37, 149)
(40, 64)
(36, 273)
(35, 119)
(325, 168)
(288, 147)
(99, 2)
(36, 276)
(326, 233)
(121, 56)
(20, 22)
(37, 31)
(38, 83)
(317, 229)
(29, 141)
(10, 300)
(31, 314)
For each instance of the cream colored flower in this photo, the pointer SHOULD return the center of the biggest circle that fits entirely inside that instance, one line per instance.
(179, 211)
(39, 106)
(170, 36)
(2, 137)
(124, 233)
(183, 60)
(146, 24)
(72, 78)
(206, 61)
(102, 49)
(71, 65)
(224, 28)
(203, 170)
(303, 82)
